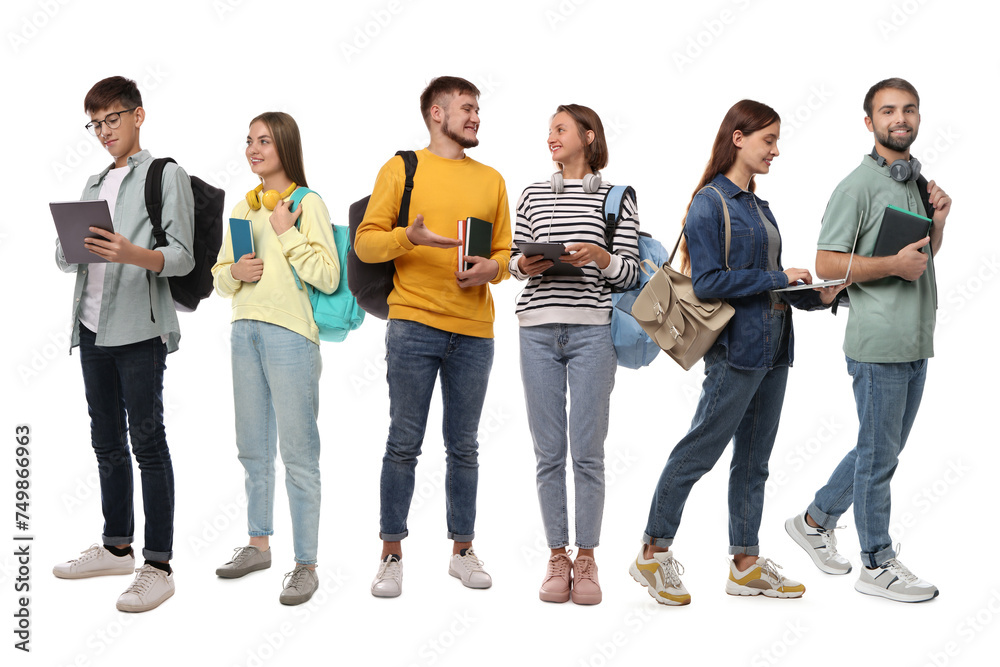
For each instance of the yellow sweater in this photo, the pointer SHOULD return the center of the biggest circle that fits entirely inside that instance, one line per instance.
(425, 288)
(275, 298)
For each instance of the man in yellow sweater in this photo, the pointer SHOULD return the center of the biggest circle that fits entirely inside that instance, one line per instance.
(440, 319)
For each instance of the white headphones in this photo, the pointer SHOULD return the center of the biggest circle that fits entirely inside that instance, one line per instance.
(591, 182)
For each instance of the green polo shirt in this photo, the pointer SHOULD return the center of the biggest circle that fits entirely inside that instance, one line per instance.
(891, 320)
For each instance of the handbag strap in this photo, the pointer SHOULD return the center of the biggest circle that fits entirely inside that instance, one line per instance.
(725, 215)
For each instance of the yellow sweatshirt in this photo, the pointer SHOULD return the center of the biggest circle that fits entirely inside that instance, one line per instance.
(275, 298)
(444, 192)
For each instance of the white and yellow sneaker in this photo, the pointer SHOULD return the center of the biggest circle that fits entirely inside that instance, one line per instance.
(661, 577)
(762, 578)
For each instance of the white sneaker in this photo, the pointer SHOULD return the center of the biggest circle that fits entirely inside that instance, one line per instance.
(762, 578)
(96, 561)
(469, 569)
(661, 575)
(819, 543)
(150, 589)
(389, 580)
(894, 580)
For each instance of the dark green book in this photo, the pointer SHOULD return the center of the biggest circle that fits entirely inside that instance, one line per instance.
(477, 239)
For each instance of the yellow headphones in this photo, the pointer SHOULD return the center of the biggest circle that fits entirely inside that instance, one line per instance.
(270, 198)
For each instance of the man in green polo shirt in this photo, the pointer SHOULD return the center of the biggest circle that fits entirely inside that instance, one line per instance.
(889, 338)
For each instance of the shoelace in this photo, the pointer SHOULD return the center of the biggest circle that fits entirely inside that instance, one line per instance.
(294, 578)
(584, 569)
(240, 554)
(391, 566)
(90, 553)
(144, 579)
(472, 561)
(559, 565)
(673, 570)
(829, 539)
(770, 568)
(900, 570)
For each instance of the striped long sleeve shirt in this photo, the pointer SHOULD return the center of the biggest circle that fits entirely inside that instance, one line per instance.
(573, 216)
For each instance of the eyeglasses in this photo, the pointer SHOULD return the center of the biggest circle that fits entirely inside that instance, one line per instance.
(113, 120)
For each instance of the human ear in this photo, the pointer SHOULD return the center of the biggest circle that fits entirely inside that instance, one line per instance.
(738, 138)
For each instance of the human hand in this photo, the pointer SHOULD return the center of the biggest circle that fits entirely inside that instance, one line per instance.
(940, 201)
(283, 219)
(533, 265)
(112, 246)
(248, 269)
(482, 271)
(911, 262)
(418, 234)
(828, 294)
(795, 275)
(585, 253)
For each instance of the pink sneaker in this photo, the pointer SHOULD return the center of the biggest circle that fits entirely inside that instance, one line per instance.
(556, 586)
(586, 588)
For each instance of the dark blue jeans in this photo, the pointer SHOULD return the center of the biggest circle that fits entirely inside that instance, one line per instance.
(124, 386)
(416, 355)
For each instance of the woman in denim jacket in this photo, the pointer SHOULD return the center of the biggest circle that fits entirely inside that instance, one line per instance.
(746, 370)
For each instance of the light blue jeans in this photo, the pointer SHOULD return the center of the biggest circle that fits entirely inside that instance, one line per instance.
(416, 355)
(742, 406)
(276, 389)
(582, 357)
(887, 398)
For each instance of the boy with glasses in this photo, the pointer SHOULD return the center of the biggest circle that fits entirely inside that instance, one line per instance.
(125, 323)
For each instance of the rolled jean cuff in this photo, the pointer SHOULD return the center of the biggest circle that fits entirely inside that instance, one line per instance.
(161, 556)
(822, 518)
(749, 551)
(873, 560)
(311, 561)
(657, 541)
(461, 538)
(260, 533)
(587, 546)
(393, 537)
(115, 541)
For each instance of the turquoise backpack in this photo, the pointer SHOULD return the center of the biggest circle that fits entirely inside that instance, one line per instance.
(335, 314)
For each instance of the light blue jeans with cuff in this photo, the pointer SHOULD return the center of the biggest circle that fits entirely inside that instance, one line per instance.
(276, 389)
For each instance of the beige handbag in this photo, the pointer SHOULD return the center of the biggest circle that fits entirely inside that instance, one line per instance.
(684, 326)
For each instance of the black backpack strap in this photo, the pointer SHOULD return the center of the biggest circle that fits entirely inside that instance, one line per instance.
(410, 164)
(925, 197)
(154, 199)
(614, 204)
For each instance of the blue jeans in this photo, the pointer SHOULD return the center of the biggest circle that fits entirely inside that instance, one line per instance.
(276, 391)
(415, 355)
(124, 387)
(739, 405)
(583, 356)
(887, 397)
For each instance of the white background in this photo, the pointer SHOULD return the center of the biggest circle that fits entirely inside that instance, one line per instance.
(661, 76)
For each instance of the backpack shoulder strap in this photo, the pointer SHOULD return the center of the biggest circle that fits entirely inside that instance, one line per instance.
(925, 197)
(614, 202)
(410, 166)
(296, 198)
(154, 199)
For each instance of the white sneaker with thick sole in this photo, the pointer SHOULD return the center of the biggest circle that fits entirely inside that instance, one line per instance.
(894, 580)
(661, 575)
(819, 543)
(762, 578)
(96, 561)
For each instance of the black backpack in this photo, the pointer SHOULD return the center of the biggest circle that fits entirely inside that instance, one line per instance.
(209, 204)
(371, 283)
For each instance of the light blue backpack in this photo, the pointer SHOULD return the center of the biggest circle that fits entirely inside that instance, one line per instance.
(335, 314)
(634, 348)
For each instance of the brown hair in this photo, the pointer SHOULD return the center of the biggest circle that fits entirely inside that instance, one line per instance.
(746, 116)
(587, 120)
(106, 92)
(288, 143)
(441, 87)
(895, 82)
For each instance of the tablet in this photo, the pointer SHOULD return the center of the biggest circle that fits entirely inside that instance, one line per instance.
(550, 251)
(73, 222)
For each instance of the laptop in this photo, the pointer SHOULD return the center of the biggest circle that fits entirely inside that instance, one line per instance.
(829, 283)
(73, 222)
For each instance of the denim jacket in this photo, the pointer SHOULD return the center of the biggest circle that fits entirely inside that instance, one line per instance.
(747, 338)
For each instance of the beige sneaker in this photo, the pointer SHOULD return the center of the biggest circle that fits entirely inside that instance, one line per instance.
(586, 588)
(95, 561)
(150, 589)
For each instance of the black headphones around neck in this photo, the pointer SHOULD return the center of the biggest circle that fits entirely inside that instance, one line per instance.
(900, 170)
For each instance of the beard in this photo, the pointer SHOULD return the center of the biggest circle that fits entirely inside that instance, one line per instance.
(459, 139)
(899, 144)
